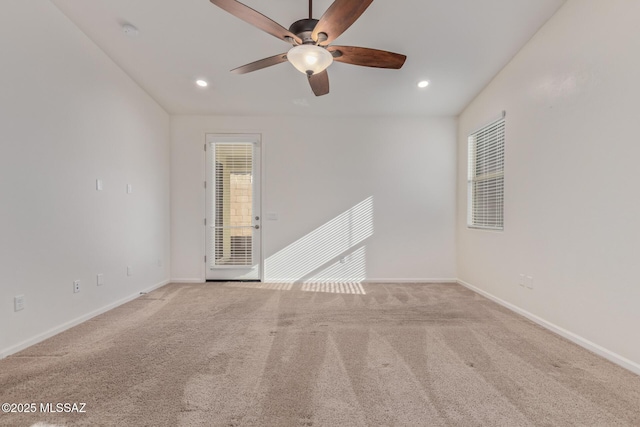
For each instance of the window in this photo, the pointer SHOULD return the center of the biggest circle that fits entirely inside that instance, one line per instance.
(486, 177)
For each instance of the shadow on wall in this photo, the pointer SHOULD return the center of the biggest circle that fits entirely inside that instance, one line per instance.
(331, 258)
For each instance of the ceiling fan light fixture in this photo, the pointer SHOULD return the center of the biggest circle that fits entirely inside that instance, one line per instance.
(309, 59)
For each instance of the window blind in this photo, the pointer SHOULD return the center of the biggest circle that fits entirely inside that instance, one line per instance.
(486, 177)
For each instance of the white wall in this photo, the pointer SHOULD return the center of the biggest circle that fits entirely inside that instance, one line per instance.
(315, 169)
(572, 207)
(69, 115)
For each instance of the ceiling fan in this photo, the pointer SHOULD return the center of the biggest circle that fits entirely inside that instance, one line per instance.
(311, 52)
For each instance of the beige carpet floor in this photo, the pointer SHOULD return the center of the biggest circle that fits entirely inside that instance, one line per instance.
(271, 355)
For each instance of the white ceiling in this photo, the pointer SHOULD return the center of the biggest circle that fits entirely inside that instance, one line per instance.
(458, 45)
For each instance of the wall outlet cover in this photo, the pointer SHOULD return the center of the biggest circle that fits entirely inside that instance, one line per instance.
(76, 286)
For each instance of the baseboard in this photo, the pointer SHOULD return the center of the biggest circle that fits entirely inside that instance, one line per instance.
(448, 280)
(191, 280)
(577, 339)
(70, 324)
(372, 281)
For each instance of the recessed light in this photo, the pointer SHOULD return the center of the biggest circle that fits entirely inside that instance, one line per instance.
(202, 83)
(423, 84)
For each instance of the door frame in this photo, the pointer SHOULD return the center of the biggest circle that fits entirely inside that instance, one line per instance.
(254, 138)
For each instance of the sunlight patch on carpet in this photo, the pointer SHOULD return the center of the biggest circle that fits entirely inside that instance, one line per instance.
(255, 285)
(354, 288)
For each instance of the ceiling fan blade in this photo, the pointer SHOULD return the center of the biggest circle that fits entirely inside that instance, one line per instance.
(367, 57)
(340, 15)
(320, 83)
(262, 63)
(256, 19)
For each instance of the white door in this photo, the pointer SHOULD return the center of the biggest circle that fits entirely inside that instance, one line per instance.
(233, 207)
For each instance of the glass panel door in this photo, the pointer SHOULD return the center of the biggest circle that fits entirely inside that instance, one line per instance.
(233, 217)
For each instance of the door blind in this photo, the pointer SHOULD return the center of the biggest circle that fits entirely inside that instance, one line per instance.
(486, 177)
(233, 204)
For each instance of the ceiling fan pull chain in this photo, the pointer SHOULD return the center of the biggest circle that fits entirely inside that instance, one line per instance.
(310, 9)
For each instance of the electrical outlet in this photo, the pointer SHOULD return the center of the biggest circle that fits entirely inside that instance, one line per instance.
(98, 184)
(129, 271)
(18, 303)
(521, 280)
(529, 282)
(100, 279)
(129, 189)
(76, 286)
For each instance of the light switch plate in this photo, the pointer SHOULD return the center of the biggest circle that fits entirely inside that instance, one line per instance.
(18, 303)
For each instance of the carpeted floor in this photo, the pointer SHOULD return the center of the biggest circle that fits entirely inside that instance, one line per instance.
(271, 355)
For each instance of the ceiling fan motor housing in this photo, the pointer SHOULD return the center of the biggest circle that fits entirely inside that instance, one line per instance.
(303, 29)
